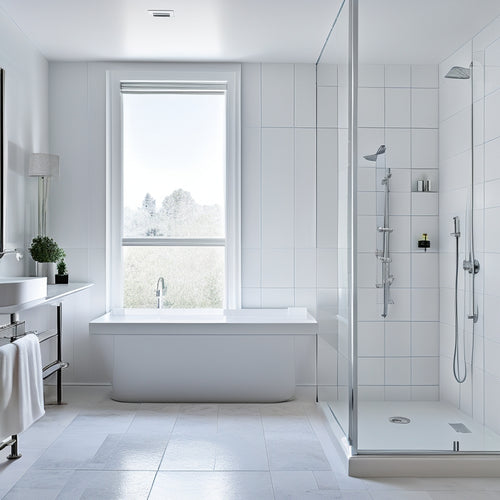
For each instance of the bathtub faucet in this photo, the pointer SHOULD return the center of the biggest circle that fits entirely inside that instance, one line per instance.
(160, 291)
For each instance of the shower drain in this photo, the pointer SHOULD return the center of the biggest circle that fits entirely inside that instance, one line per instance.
(399, 420)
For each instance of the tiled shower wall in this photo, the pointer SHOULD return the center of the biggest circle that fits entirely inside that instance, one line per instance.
(478, 395)
(399, 356)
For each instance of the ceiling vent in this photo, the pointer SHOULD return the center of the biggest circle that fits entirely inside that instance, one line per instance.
(162, 13)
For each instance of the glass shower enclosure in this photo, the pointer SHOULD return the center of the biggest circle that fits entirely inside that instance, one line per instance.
(410, 145)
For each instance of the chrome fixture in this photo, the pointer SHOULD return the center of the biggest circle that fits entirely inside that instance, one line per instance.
(456, 354)
(160, 291)
(470, 263)
(18, 253)
(459, 73)
(43, 166)
(384, 254)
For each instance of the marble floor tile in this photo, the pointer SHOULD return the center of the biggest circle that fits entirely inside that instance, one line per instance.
(128, 451)
(300, 485)
(190, 453)
(153, 422)
(109, 485)
(241, 451)
(212, 486)
(39, 484)
(290, 452)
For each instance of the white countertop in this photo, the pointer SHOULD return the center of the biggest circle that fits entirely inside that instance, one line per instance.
(55, 293)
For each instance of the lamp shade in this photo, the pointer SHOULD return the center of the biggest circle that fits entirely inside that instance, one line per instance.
(43, 165)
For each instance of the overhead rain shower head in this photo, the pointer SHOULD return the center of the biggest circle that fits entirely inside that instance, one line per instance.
(458, 73)
(380, 151)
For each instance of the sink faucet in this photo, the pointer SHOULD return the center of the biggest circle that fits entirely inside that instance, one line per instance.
(160, 291)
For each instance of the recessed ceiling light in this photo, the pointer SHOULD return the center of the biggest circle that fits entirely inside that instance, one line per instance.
(161, 13)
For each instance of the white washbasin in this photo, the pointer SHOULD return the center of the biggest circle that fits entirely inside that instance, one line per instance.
(18, 290)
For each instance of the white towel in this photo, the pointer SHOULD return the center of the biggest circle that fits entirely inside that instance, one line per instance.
(24, 383)
(9, 401)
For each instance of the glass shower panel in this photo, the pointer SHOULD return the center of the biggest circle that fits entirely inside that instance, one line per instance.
(408, 399)
(333, 184)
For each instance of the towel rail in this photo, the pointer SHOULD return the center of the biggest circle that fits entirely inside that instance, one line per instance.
(15, 330)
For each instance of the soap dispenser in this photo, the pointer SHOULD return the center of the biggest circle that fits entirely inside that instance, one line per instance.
(424, 243)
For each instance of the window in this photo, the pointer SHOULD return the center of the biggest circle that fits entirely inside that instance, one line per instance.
(174, 190)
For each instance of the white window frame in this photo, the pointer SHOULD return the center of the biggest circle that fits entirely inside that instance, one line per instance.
(227, 76)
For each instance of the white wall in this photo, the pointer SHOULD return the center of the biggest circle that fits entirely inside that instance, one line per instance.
(398, 357)
(478, 395)
(26, 120)
(281, 264)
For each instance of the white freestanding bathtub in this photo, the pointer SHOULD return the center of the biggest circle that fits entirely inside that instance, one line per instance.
(193, 355)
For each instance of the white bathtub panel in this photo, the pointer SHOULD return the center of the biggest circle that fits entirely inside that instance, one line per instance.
(203, 368)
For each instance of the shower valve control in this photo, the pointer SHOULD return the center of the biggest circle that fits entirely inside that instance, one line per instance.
(471, 268)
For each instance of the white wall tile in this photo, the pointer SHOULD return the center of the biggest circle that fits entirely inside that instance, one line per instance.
(277, 188)
(424, 108)
(367, 270)
(277, 297)
(425, 339)
(251, 188)
(397, 75)
(425, 270)
(327, 106)
(397, 393)
(278, 268)
(424, 147)
(397, 339)
(305, 267)
(306, 297)
(327, 74)
(401, 269)
(371, 371)
(326, 188)
(425, 393)
(491, 163)
(425, 304)
(491, 117)
(370, 107)
(400, 237)
(397, 107)
(398, 146)
(250, 267)
(277, 95)
(305, 188)
(425, 371)
(425, 76)
(400, 309)
(400, 180)
(424, 203)
(371, 75)
(305, 95)
(327, 265)
(397, 371)
(370, 339)
(251, 105)
(492, 402)
(251, 298)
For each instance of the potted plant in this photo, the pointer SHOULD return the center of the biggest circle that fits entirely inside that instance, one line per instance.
(62, 273)
(46, 252)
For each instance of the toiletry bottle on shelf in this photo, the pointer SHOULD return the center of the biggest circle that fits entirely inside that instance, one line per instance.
(424, 242)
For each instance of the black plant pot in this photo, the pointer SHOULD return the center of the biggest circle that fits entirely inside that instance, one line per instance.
(62, 279)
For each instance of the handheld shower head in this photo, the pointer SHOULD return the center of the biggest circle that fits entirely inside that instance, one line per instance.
(380, 151)
(458, 73)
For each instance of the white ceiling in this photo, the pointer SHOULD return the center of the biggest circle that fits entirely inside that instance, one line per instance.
(398, 31)
(201, 30)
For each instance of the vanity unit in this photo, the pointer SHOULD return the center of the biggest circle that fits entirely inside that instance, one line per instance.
(21, 294)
